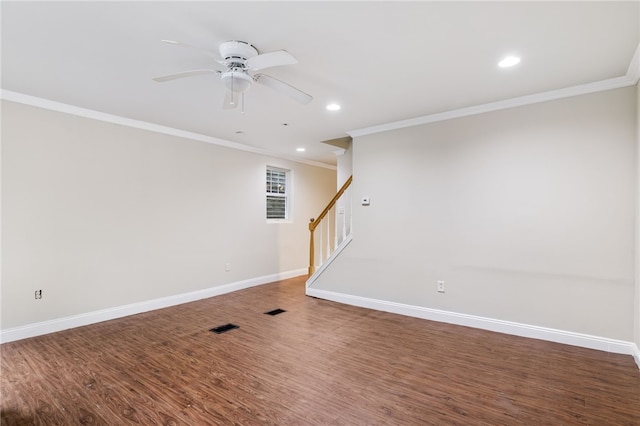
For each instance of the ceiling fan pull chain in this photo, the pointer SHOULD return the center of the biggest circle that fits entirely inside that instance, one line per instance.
(232, 92)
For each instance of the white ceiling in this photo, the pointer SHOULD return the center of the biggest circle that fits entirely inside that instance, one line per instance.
(382, 61)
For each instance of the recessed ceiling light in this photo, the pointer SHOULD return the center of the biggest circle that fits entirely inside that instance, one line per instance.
(509, 61)
(300, 149)
(333, 107)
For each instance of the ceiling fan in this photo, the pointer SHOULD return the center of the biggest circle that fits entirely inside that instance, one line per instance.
(240, 59)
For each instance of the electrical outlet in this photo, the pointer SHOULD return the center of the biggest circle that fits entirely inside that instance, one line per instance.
(440, 286)
(227, 267)
(38, 294)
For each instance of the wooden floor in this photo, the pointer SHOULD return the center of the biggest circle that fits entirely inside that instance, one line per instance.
(318, 363)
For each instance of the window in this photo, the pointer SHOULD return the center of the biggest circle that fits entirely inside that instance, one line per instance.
(277, 193)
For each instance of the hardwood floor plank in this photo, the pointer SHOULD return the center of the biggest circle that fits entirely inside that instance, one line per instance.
(318, 363)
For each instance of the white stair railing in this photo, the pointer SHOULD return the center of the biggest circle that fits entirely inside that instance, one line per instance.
(331, 232)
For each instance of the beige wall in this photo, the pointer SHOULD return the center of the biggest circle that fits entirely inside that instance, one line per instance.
(99, 215)
(527, 214)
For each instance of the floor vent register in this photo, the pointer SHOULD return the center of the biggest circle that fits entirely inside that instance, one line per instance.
(224, 328)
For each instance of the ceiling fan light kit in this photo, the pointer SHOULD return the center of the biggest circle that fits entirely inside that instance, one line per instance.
(237, 80)
(239, 58)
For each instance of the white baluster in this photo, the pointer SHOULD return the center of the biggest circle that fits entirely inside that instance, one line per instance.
(350, 212)
(336, 217)
(320, 260)
(343, 217)
(328, 216)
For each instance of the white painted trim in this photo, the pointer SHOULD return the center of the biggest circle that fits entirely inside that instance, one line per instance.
(500, 326)
(598, 86)
(330, 259)
(629, 79)
(143, 125)
(88, 318)
(636, 353)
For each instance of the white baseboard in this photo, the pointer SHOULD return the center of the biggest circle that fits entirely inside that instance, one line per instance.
(507, 327)
(636, 354)
(59, 324)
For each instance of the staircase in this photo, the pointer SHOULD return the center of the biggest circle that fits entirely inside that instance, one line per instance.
(330, 230)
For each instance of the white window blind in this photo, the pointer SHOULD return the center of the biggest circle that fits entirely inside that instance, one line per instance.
(277, 193)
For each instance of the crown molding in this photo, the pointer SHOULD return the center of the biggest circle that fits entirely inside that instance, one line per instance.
(143, 125)
(613, 83)
(629, 79)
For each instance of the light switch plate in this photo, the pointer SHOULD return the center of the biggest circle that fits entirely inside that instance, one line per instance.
(366, 201)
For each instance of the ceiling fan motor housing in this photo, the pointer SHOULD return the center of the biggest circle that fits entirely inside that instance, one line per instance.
(237, 51)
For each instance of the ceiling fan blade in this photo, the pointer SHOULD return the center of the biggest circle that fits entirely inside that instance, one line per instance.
(271, 59)
(209, 53)
(230, 100)
(284, 88)
(183, 74)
